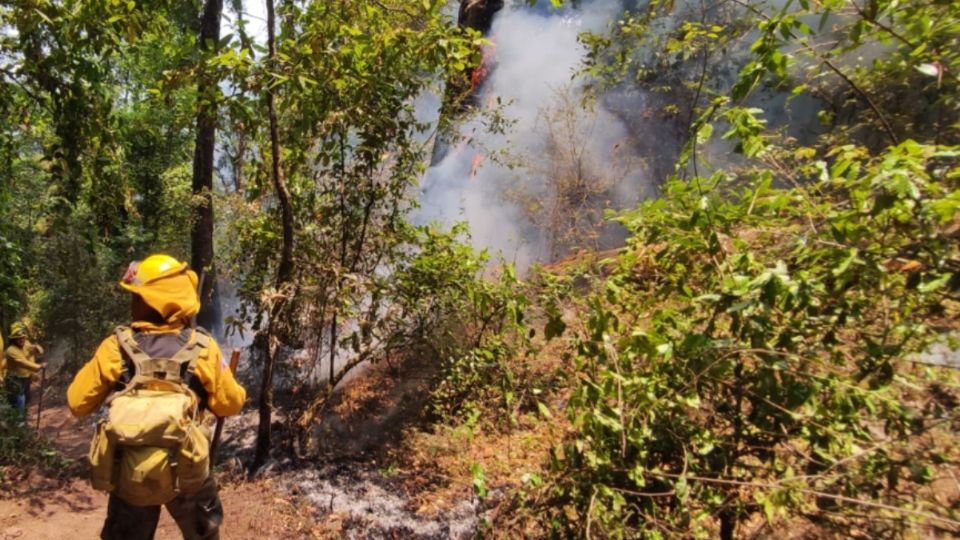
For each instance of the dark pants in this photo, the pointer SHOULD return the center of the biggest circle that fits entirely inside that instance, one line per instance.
(18, 391)
(198, 515)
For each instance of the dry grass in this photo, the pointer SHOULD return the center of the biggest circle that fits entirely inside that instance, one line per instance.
(506, 446)
(443, 459)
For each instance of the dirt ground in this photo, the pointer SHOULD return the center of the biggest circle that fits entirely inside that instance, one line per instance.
(73, 510)
(38, 507)
(351, 490)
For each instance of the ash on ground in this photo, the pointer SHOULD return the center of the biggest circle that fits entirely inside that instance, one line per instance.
(369, 504)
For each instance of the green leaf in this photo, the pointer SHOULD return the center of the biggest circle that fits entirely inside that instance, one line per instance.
(544, 411)
(847, 261)
(935, 284)
(479, 480)
(704, 133)
(921, 473)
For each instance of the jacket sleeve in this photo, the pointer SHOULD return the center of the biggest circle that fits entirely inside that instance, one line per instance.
(93, 382)
(16, 357)
(225, 396)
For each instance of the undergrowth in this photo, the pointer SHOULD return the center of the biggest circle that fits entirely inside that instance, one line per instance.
(747, 363)
(21, 449)
(764, 366)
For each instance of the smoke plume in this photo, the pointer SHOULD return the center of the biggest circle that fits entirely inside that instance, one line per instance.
(528, 189)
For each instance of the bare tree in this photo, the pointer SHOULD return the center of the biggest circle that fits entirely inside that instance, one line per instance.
(569, 181)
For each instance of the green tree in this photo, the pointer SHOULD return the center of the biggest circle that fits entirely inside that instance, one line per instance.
(93, 156)
(323, 222)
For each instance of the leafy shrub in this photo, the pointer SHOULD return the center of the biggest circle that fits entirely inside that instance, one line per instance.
(20, 446)
(750, 353)
(474, 323)
(756, 362)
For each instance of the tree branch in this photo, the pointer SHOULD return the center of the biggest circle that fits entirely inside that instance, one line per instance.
(953, 524)
(14, 80)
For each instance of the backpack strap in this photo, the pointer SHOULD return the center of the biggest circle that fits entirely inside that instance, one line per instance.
(132, 349)
(164, 369)
(189, 378)
(138, 361)
(187, 357)
(178, 369)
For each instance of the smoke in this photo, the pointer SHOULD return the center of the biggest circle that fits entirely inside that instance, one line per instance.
(535, 190)
(516, 187)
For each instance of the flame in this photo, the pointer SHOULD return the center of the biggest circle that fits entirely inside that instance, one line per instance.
(480, 73)
(475, 166)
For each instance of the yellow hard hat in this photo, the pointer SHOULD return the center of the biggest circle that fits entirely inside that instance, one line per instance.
(165, 284)
(154, 267)
(18, 330)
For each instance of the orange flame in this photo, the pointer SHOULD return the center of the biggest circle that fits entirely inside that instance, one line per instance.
(479, 73)
(475, 166)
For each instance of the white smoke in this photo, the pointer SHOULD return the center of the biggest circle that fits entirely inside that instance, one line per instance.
(533, 76)
(624, 141)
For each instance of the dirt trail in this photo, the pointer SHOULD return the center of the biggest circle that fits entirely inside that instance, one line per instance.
(72, 510)
(38, 507)
(349, 493)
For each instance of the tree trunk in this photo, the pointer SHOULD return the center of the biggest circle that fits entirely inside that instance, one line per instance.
(459, 95)
(284, 268)
(201, 248)
(343, 258)
(238, 158)
(728, 524)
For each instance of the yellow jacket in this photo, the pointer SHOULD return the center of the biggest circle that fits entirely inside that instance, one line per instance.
(95, 380)
(3, 362)
(22, 363)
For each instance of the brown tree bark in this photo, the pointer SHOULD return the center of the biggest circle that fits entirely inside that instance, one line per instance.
(201, 238)
(284, 268)
(458, 96)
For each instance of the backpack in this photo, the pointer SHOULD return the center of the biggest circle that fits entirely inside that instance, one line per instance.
(151, 447)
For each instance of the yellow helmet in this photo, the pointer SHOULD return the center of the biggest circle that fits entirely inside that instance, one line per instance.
(165, 284)
(18, 330)
(154, 267)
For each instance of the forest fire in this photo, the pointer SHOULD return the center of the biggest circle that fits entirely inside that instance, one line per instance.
(475, 165)
(482, 71)
(598, 269)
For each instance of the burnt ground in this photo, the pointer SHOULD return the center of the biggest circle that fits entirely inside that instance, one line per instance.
(358, 485)
(354, 489)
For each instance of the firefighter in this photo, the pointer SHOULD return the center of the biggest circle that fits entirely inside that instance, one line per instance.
(21, 365)
(163, 302)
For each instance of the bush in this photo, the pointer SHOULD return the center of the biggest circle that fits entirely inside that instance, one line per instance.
(757, 362)
(20, 447)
